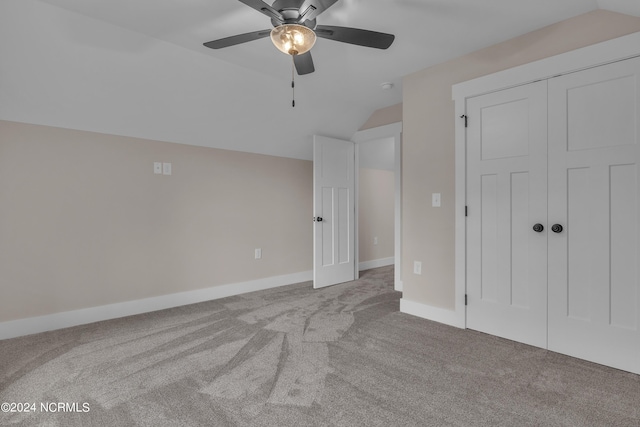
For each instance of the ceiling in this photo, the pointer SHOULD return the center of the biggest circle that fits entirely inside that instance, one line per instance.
(138, 68)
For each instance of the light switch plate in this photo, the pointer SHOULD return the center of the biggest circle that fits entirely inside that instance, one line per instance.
(435, 200)
(157, 168)
(166, 169)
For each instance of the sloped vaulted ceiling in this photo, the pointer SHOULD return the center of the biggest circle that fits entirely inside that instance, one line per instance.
(628, 7)
(138, 68)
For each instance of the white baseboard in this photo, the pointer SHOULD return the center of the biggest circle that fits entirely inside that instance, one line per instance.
(437, 314)
(33, 325)
(382, 262)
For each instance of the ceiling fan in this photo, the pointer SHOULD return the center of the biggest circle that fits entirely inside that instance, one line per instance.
(295, 30)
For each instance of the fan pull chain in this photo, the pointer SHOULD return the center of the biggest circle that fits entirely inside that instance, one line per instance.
(293, 83)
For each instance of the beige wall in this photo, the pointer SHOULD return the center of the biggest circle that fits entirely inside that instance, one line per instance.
(384, 116)
(376, 203)
(84, 221)
(428, 142)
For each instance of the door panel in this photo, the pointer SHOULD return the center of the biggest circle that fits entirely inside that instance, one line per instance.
(596, 108)
(334, 235)
(578, 214)
(500, 141)
(520, 229)
(326, 243)
(489, 238)
(506, 196)
(624, 254)
(594, 295)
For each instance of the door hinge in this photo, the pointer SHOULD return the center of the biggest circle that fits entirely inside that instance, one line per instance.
(466, 300)
(466, 211)
(466, 123)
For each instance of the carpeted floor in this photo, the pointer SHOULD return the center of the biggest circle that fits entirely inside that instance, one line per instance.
(294, 356)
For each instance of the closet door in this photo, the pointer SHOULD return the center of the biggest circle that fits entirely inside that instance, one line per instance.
(506, 197)
(594, 295)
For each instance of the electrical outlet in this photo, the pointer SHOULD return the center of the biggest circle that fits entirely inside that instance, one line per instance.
(258, 253)
(417, 267)
(166, 169)
(375, 240)
(157, 168)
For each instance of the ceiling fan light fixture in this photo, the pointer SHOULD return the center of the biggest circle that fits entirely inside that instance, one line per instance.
(293, 39)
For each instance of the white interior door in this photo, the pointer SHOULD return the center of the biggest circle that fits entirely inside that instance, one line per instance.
(594, 293)
(334, 211)
(506, 196)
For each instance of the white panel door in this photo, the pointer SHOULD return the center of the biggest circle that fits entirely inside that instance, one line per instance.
(594, 293)
(506, 197)
(334, 210)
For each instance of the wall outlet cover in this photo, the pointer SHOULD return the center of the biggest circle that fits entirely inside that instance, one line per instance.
(417, 267)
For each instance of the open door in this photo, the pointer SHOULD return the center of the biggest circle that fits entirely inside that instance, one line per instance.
(334, 211)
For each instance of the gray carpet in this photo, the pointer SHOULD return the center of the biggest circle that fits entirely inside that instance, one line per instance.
(294, 356)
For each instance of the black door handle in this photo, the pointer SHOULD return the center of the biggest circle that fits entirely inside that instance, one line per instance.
(317, 218)
(556, 228)
(538, 228)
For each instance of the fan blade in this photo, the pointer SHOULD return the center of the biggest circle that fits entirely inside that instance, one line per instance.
(312, 8)
(304, 63)
(264, 8)
(240, 38)
(355, 36)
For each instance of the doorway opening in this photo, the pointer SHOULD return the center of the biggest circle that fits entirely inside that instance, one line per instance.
(378, 205)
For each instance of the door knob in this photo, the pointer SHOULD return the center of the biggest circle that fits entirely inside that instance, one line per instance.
(317, 218)
(538, 228)
(556, 228)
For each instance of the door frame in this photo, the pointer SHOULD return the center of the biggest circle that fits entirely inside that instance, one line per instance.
(606, 52)
(393, 130)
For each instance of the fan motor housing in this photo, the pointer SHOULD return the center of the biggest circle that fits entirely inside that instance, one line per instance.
(290, 10)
